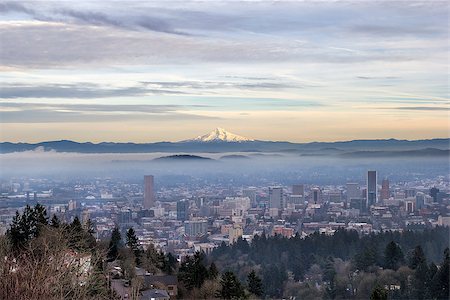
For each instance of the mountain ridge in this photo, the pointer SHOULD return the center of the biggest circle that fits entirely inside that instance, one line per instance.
(223, 146)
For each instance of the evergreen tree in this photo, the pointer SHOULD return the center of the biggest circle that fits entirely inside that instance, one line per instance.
(114, 244)
(76, 226)
(231, 288)
(213, 272)
(379, 293)
(416, 257)
(393, 256)
(193, 271)
(329, 274)
(170, 264)
(90, 227)
(54, 222)
(132, 240)
(76, 235)
(418, 263)
(133, 244)
(40, 217)
(441, 278)
(274, 277)
(27, 225)
(420, 281)
(366, 259)
(254, 284)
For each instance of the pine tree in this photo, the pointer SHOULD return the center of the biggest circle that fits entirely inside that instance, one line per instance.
(171, 264)
(75, 234)
(76, 226)
(193, 271)
(393, 256)
(55, 223)
(254, 284)
(231, 288)
(213, 272)
(442, 278)
(329, 277)
(114, 244)
(366, 259)
(133, 244)
(90, 227)
(379, 293)
(40, 216)
(418, 263)
(27, 225)
(416, 257)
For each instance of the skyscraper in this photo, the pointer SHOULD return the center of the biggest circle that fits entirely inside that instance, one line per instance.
(371, 188)
(298, 189)
(276, 197)
(384, 193)
(149, 196)
(316, 195)
(183, 210)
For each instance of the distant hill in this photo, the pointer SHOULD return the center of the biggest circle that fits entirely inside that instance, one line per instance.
(224, 146)
(429, 152)
(182, 157)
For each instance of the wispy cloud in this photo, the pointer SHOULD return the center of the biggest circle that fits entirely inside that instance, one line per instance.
(79, 90)
(420, 108)
(71, 113)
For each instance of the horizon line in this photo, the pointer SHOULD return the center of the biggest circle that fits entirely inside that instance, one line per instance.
(251, 141)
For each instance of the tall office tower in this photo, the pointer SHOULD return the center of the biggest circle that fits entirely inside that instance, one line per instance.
(276, 197)
(420, 200)
(298, 189)
(250, 192)
(384, 192)
(149, 196)
(371, 188)
(183, 210)
(434, 192)
(316, 195)
(353, 191)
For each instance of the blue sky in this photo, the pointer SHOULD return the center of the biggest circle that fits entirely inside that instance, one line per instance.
(150, 71)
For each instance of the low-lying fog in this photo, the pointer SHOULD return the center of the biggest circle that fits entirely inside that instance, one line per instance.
(244, 168)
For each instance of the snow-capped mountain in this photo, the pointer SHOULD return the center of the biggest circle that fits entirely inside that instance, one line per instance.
(220, 135)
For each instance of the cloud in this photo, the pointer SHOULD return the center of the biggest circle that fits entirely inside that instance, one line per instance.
(62, 113)
(78, 90)
(211, 85)
(396, 30)
(420, 108)
(377, 77)
(39, 45)
(148, 33)
(87, 90)
(9, 6)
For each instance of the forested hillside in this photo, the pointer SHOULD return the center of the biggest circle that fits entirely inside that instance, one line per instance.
(344, 265)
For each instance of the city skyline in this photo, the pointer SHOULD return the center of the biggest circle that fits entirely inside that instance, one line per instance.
(92, 71)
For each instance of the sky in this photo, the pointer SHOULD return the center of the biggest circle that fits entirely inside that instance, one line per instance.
(300, 71)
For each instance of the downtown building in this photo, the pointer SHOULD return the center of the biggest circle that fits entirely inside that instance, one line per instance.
(149, 193)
